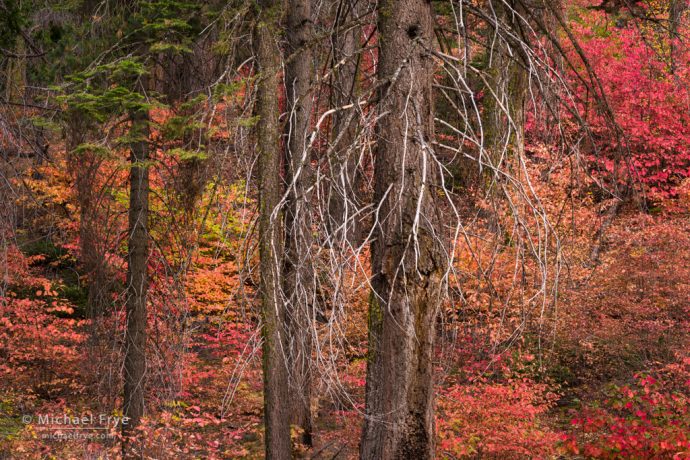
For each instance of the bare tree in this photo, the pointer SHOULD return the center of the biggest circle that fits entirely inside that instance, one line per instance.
(345, 194)
(411, 264)
(85, 164)
(506, 81)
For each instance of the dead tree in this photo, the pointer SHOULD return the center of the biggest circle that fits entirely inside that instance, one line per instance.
(345, 194)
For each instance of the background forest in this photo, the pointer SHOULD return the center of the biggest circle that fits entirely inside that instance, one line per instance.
(345, 229)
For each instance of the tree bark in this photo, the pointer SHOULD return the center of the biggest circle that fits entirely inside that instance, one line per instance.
(675, 15)
(407, 257)
(276, 419)
(345, 192)
(298, 271)
(137, 281)
(15, 84)
(92, 249)
(503, 115)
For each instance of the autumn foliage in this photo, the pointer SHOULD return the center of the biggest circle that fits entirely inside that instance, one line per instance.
(595, 365)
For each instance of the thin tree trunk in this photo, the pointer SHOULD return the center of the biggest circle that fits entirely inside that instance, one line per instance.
(15, 84)
(345, 192)
(407, 257)
(504, 98)
(675, 15)
(137, 282)
(298, 272)
(276, 419)
(503, 115)
(85, 165)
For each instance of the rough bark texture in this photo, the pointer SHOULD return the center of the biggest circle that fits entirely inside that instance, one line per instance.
(407, 261)
(298, 272)
(276, 419)
(503, 122)
(345, 194)
(137, 279)
(503, 82)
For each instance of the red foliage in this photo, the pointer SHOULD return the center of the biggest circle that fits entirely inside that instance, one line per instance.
(38, 340)
(649, 419)
(495, 420)
(646, 90)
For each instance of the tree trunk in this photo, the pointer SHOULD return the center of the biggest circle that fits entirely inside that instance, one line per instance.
(298, 271)
(675, 15)
(15, 84)
(137, 281)
(407, 258)
(92, 250)
(277, 422)
(345, 192)
(503, 115)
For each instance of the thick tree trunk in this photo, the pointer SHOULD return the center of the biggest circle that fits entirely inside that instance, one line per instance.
(137, 280)
(345, 192)
(407, 257)
(298, 271)
(276, 417)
